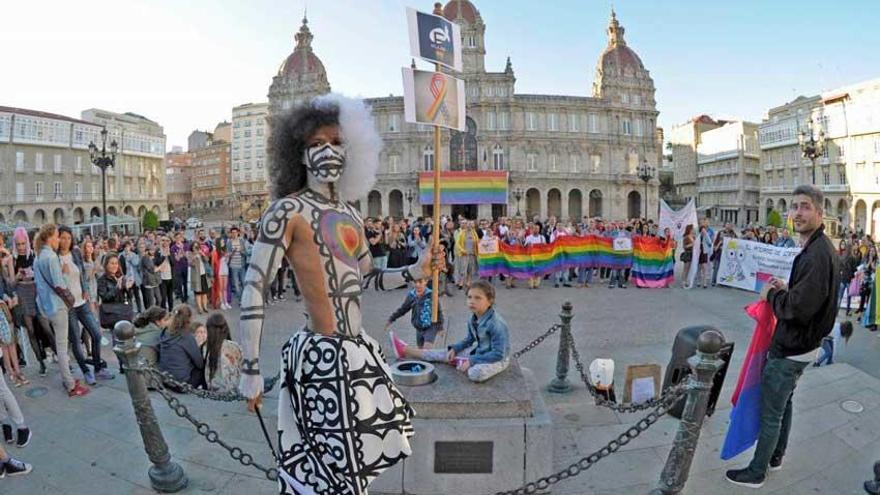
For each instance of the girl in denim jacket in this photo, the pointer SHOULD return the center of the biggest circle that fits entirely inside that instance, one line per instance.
(488, 339)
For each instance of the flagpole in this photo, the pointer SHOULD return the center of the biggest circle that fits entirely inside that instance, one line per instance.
(435, 245)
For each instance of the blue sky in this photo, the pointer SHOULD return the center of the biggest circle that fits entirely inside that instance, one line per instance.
(186, 64)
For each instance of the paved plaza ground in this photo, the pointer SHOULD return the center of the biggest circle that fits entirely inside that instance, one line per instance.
(92, 446)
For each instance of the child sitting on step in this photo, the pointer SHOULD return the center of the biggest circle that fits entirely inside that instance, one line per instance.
(841, 331)
(487, 339)
(418, 302)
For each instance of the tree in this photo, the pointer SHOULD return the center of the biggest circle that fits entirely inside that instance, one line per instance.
(774, 219)
(151, 220)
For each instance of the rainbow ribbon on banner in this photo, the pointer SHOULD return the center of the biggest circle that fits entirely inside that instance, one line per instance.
(438, 90)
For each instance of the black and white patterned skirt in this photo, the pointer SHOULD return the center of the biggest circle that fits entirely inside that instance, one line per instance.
(341, 419)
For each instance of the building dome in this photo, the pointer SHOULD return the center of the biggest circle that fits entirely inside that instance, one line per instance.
(456, 10)
(303, 60)
(618, 58)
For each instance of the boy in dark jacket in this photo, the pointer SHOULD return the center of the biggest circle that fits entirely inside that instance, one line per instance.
(418, 303)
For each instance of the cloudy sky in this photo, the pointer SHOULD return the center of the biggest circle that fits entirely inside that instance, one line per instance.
(186, 64)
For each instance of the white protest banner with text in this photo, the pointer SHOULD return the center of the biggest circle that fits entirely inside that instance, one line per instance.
(749, 265)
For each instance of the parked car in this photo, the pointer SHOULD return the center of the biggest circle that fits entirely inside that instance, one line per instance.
(194, 223)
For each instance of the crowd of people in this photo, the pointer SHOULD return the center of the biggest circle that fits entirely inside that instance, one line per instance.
(60, 292)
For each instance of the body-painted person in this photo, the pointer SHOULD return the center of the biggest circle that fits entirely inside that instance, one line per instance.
(341, 420)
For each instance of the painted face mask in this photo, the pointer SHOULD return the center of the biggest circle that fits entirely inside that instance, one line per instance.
(325, 162)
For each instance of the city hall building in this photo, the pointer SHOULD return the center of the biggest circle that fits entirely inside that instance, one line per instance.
(567, 156)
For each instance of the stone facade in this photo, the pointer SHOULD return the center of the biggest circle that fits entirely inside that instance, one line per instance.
(567, 156)
(848, 172)
(729, 173)
(46, 174)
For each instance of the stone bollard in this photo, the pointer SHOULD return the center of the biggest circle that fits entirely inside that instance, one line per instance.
(560, 384)
(704, 365)
(165, 475)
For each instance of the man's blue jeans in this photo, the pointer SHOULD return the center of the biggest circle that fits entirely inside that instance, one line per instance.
(777, 387)
(78, 317)
(236, 278)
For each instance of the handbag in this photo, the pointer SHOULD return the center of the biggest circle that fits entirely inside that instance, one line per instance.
(113, 313)
(61, 292)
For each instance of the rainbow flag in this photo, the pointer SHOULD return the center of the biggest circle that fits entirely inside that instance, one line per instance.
(464, 188)
(653, 262)
(523, 262)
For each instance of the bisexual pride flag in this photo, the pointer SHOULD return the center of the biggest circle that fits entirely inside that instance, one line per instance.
(653, 262)
(745, 417)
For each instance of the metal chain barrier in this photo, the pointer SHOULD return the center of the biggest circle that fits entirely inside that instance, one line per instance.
(660, 408)
(166, 378)
(671, 396)
(535, 343)
(155, 377)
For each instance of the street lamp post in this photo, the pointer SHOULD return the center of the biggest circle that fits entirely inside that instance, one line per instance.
(812, 147)
(518, 194)
(102, 160)
(409, 199)
(646, 173)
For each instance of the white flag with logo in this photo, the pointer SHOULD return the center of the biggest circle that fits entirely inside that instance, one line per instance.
(677, 220)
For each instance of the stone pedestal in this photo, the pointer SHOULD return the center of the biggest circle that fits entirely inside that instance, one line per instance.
(473, 438)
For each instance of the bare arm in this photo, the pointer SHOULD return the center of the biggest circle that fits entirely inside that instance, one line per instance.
(276, 235)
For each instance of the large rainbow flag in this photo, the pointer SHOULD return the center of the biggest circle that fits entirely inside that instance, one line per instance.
(590, 251)
(464, 188)
(653, 262)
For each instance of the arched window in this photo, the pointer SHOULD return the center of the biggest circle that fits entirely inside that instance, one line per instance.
(428, 158)
(497, 158)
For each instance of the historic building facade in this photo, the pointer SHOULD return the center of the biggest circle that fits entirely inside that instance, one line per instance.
(848, 172)
(46, 174)
(568, 156)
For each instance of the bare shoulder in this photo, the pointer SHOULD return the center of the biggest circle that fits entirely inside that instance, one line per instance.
(279, 217)
(355, 214)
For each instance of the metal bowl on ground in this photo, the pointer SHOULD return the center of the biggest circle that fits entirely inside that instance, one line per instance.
(413, 373)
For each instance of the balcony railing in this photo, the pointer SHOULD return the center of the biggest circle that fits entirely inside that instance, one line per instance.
(772, 189)
(835, 187)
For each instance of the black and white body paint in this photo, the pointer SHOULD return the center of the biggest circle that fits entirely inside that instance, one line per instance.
(325, 162)
(341, 419)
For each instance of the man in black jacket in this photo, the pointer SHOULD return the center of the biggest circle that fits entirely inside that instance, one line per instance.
(805, 311)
